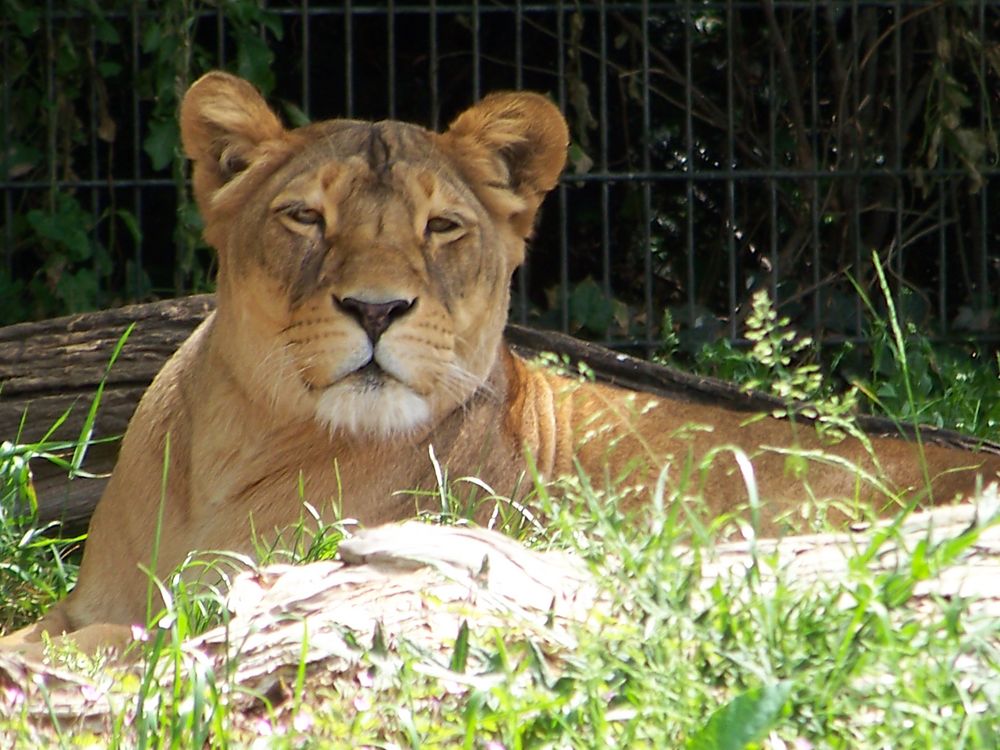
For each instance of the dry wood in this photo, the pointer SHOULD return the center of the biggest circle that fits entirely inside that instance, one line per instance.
(821, 560)
(409, 582)
(55, 366)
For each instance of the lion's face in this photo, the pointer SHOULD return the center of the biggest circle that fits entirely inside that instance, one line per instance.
(364, 267)
(395, 274)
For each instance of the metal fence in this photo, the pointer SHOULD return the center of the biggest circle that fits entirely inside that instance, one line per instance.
(718, 148)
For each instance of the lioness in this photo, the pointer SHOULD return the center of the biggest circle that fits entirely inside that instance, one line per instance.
(363, 287)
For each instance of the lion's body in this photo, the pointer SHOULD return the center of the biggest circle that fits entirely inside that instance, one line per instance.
(362, 294)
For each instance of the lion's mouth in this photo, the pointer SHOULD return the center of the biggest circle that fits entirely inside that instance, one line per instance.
(365, 379)
(370, 377)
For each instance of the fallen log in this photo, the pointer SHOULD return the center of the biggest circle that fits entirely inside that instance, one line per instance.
(53, 368)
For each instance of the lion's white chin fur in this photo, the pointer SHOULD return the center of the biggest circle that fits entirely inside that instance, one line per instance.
(390, 410)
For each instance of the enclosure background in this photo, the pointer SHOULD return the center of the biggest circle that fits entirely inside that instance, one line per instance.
(717, 148)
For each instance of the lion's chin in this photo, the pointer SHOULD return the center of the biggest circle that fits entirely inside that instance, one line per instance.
(391, 409)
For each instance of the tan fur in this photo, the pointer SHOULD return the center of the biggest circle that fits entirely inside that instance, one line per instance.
(274, 390)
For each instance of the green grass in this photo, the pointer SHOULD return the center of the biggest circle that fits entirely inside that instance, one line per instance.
(747, 660)
(36, 567)
(674, 663)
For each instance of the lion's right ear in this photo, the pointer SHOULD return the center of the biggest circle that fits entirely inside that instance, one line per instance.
(516, 141)
(223, 121)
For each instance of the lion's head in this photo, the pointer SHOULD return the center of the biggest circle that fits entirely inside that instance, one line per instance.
(364, 268)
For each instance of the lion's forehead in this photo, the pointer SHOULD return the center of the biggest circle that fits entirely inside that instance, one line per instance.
(378, 141)
(388, 156)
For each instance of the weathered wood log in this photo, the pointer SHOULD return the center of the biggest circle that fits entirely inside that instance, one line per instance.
(410, 581)
(53, 367)
(822, 559)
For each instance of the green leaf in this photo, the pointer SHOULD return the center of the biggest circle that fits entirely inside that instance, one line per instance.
(131, 223)
(949, 551)
(796, 466)
(26, 18)
(104, 31)
(745, 719)
(887, 391)
(254, 60)
(78, 290)
(297, 118)
(151, 38)
(590, 308)
(273, 23)
(920, 570)
(161, 143)
(191, 217)
(579, 160)
(137, 282)
(66, 226)
(109, 68)
(897, 589)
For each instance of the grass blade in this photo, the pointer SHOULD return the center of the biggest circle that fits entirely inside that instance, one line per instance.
(460, 657)
(87, 431)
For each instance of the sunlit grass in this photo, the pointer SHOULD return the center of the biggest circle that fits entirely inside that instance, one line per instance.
(674, 661)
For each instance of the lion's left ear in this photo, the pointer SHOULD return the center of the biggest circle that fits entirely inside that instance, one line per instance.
(224, 120)
(516, 141)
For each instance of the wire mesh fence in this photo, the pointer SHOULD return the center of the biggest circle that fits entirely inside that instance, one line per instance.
(718, 148)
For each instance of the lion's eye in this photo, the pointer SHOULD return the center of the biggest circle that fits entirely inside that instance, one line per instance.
(305, 215)
(441, 225)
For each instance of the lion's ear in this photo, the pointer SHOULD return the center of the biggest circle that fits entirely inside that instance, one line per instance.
(223, 121)
(517, 139)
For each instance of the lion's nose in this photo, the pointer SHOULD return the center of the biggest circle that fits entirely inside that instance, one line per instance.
(374, 317)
